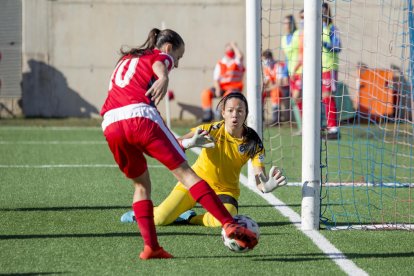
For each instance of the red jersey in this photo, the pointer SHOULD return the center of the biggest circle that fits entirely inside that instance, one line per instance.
(132, 78)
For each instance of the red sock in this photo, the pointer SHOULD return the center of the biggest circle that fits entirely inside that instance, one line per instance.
(330, 111)
(144, 214)
(203, 194)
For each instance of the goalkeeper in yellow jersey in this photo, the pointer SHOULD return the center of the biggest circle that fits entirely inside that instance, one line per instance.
(227, 146)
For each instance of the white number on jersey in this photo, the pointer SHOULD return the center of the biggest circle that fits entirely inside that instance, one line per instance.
(120, 80)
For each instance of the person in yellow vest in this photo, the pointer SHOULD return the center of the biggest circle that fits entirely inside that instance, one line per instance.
(292, 45)
(331, 46)
(275, 85)
(228, 77)
(227, 146)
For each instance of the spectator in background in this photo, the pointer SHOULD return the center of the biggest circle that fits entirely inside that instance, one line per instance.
(228, 77)
(275, 85)
(331, 46)
(292, 46)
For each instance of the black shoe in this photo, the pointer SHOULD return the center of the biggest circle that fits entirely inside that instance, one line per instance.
(185, 217)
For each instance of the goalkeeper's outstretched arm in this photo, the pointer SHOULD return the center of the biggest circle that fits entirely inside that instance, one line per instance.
(197, 138)
(267, 183)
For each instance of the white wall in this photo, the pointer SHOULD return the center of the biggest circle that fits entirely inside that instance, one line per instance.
(81, 39)
(70, 46)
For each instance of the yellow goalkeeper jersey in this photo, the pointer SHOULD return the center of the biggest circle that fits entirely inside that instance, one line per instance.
(220, 166)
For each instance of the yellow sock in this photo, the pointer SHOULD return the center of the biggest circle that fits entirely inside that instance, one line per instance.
(176, 203)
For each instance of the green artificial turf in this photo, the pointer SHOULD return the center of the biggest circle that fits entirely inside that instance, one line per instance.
(61, 197)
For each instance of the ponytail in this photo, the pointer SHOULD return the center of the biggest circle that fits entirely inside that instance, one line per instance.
(252, 142)
(156, 39)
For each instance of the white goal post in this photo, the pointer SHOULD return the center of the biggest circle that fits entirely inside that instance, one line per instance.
(311, 175)
(311, 172)
(253, 72)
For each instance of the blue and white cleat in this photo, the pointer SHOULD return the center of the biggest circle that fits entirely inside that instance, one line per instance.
(128, 217)
(186, 216)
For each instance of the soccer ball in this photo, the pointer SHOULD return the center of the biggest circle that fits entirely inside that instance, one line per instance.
(247, 222)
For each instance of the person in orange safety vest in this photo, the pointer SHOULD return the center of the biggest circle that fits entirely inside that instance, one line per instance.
(275, 86)
(228, 77)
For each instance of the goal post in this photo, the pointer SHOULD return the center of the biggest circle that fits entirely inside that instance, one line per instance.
(311, 116)
(311, 122)
(253, 72)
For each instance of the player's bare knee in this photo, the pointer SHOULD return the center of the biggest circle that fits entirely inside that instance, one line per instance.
(185, 175)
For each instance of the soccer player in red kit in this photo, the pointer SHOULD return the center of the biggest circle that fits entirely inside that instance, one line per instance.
(133, 126)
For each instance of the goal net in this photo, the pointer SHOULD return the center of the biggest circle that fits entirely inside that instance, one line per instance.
(367, 169)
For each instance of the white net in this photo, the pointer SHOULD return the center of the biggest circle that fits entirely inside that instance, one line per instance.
(367, 174)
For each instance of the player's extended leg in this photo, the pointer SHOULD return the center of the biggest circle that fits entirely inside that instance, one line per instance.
(167, 150)
(204, 194)
(330, 111)
(208, 220)
(132, 163)
(330, 106)
(296, 91)
(144, 214)
(177, 202)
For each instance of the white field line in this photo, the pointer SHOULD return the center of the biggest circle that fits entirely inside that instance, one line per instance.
(348, 266)
(318, 239)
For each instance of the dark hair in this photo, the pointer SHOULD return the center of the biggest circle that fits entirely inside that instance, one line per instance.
(328, 16)
(292, 25)
(156, 39)
(251, 140)
(222, 103)
(267, 54)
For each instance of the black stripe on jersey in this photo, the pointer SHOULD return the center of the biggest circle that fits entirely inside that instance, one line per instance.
(215, 126)
(230, 200)
(252, 142)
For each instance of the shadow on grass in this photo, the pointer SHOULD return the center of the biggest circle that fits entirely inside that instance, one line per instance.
(274, 223)
(268, 205)
(334, 256)
(76, 208)
(36, 273)
(36, 209)
(259, 205)
(306, 257)
(95, 235)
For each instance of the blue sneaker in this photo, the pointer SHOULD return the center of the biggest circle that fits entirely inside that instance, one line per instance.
(128, 217)
(186, 216)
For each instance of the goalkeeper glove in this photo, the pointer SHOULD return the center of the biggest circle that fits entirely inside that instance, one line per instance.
(275, 180)
(201, 138)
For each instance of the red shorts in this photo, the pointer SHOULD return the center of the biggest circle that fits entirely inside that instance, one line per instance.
(296, 82)
(136, 129)
(326, 81)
